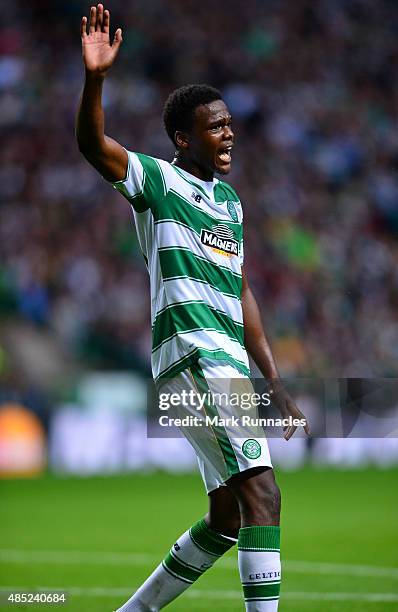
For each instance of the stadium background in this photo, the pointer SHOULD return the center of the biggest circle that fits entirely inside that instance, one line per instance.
(313, 90)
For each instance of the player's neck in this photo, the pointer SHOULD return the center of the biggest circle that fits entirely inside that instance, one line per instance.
(192, 168)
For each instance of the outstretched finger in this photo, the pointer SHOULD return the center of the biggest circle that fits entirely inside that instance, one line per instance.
(107, 20)
(290, 431)
(100, 16)
(306, 427)
(83, 27)
(93, 16)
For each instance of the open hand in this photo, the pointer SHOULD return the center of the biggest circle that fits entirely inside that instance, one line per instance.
(287, 407)
(98, 52)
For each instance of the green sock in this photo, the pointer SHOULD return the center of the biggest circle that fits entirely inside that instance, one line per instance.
(193, 553)
(260, 567)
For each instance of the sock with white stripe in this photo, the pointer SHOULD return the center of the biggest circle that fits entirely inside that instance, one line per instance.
(193, 553)
(260, 567)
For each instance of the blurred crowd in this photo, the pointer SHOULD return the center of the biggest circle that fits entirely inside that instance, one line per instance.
(313, 90)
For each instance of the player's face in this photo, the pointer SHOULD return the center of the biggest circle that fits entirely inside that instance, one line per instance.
(211, 138)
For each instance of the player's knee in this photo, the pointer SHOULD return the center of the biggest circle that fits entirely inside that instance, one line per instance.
(266, 502)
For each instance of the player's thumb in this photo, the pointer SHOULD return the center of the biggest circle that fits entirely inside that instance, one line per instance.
(117, 40)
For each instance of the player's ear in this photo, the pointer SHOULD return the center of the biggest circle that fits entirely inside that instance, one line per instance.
(181, 140)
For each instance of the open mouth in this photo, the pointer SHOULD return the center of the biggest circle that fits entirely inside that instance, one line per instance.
(225, 154)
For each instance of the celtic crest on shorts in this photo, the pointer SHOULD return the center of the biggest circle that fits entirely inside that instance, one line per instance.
(251, 449)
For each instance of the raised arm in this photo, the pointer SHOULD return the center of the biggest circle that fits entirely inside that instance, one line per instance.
(105, 154)
(258, 348)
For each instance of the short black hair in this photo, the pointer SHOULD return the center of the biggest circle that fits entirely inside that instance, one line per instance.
(179, 108)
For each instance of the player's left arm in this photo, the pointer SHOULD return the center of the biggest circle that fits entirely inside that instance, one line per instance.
(259, 349)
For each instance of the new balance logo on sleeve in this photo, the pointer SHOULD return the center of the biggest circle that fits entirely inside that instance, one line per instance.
(196, 197)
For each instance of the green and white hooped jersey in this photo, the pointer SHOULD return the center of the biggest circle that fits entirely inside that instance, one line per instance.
(190, 233)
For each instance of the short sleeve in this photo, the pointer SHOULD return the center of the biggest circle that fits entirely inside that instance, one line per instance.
(144, 186)
(240, 217)
(241, 253)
